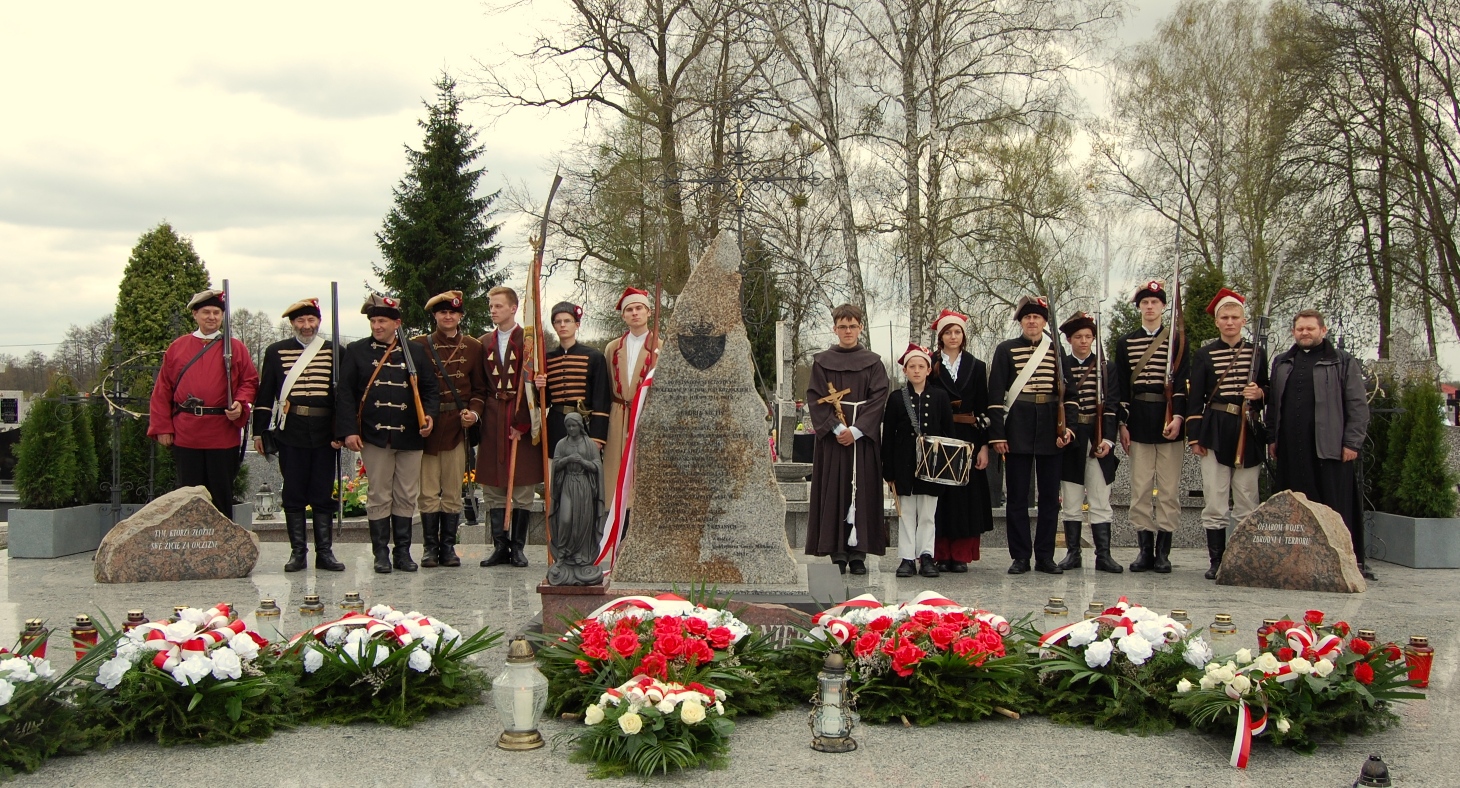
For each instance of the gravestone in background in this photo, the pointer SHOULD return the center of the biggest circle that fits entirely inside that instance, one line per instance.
(706, 504)
(1292, 543)
(178, 536)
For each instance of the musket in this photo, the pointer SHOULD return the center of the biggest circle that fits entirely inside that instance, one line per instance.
(1259, 342)
(334, 382)
(228, 367)
(405, 351)
(1060, 421)
(1176, 342)
(1099, 353)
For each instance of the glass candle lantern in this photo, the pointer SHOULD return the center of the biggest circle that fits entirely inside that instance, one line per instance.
(1222, 630)
(268, 619)
(1094, 610)
(135, 618)
(177, 613)
(520, 693)
(1056, 614)
(831, 715)
(311, 610)
(352, 603)
(35, 632)
(1266, 633)
(1420, 657)
(265, 505)
(1180, 617)
(83, 635)
(1369, 635)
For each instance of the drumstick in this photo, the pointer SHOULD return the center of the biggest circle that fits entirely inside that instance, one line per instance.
(896, 501)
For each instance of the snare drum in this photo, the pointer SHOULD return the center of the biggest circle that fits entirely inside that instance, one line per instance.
(944, 460)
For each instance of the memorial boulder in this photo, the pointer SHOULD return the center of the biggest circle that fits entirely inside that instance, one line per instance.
(1292, 543)
(707, 507)
(178, 536)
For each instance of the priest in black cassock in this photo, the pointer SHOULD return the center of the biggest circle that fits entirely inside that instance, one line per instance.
(846, 397)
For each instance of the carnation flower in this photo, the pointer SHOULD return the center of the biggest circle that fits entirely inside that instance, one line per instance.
(1183, 686)
(691, 712)
(1198, 653)
(7, 691)
(1364, 673)
(313, 660)
(334, 636)
(244, 646)
(1097, 654)
(593, 715)
(193, 670)
(419, 660)
(631, 723)
(1083, 633)
(129, 649)
(18, 669)
(42, 667)
(1323, 667)
(226, 664)
(112, 671)
(1243, 656)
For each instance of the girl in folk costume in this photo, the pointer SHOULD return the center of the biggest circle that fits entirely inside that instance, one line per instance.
(914, 410)
(630, 357)
(965, 511)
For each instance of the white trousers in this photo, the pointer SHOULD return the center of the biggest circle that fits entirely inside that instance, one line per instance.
(1218, 482)
(1094, 492)
(917, 526)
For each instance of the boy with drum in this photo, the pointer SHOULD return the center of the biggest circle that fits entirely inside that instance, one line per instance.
(913, 412)
(1024, 410)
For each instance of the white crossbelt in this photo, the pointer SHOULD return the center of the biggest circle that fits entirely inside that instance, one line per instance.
(281, 409)
(1035, 359)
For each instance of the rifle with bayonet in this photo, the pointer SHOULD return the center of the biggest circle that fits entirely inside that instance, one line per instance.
(405, 351)
(228, 368)
(1060, 421)
(334, 383)
(1176, 342)
(1249, 422)
(1100, 352)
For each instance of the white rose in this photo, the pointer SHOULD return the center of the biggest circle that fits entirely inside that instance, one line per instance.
(1283, 725)
(1267, 663)
(631, 723)
(1224, 674)
(691, 712)
(419, 661)
(7, 691)
(1137, 649)
(1241, 683)
(1301, 666)
(593, 715)
(226, 664)
(112, 671)
(1083, 633)
(18, 670)
(1323, 667)
(1207, 682)
(1244, 656)
(192, 616)
(665, 706)
(1097, 654)
(244, 646)
(193, 670)
(1139, 614)
(1198, 653)
(1183, 686)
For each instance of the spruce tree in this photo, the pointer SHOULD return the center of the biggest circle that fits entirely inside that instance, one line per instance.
(1426, 486)
(437, 236)
(1198, 291)
(45, 468)
(1392, 470)
(88, 470)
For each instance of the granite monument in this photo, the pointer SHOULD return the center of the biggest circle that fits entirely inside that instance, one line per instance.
(1292, 543)
(178, 536)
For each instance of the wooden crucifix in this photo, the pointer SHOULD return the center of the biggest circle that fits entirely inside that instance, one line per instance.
(835, 400)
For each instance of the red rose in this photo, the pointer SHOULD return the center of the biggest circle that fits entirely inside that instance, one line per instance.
(1310, 654)
(1392, 653)
(990, 642)
(880, 624)
(906, 658)
(653, 665)
(583, 666)
(1364, 673)
(964, 645)
(957, 619)
(909, 629)
(720, 637)
(698, 652)
(595, 634)
(1360, 646)
(926, 617)
(627, 624)
(696, 626)
(671, 645)
(1286, 654)
(1341, 628)
(669, 625)
(626, 644)
(866, 644)
(890, 646)
(1285, 625)
(595, 652)
(1313, 617)
(943, 636)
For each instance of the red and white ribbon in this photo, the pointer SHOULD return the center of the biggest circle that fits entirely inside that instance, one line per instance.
(1246, 729)
(172, 652)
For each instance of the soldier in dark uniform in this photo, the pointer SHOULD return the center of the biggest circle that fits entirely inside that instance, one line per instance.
(1219, 373)
(1088, 469)
(577, 380)
(917, 499)
(294, 417)
(456, 360)
(1024, 428)
(375, 414)
(1153, 443)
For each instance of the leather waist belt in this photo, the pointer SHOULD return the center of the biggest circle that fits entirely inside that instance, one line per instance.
(1222, 407)
(199, 410)
(1085, 419)
(446, 406)
(1037, 399)
(964, 418)
(1149, 397)
(307, 410)
(505, 395)
(618, 401)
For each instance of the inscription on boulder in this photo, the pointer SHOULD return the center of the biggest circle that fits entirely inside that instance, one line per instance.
(178, 536)
(1292, 543)
(706, 504)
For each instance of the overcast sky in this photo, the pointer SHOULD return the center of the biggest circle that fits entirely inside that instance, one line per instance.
(270, 133)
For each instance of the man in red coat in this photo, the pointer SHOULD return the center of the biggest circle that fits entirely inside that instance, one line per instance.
(196, 410)
(506, 429)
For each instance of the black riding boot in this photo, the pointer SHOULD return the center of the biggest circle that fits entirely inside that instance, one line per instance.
(401, 524)
(324, 540)
(450, 522)
(1100, 535)
(1147, 559)
(298, 541)
(1072, 545)
(380, 544)
(519, 536)
(499, 554)
(430, 538)
(1163, 553)
(1216, 548)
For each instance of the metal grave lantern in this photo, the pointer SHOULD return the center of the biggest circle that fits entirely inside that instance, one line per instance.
(265, 505)
(831, 712)
(521, 694)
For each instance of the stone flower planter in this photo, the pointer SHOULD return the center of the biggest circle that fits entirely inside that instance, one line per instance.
(1418, 542)
(52, 533)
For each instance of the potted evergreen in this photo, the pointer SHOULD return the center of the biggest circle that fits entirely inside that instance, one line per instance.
(56, 478)
(1416, 524)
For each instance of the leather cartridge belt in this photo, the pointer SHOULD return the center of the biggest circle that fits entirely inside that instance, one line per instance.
(1037, 399)
(308, 410)
(964, 418)
(1147, 396)
(1223, 407)
(198, 410)
(1085, 418)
